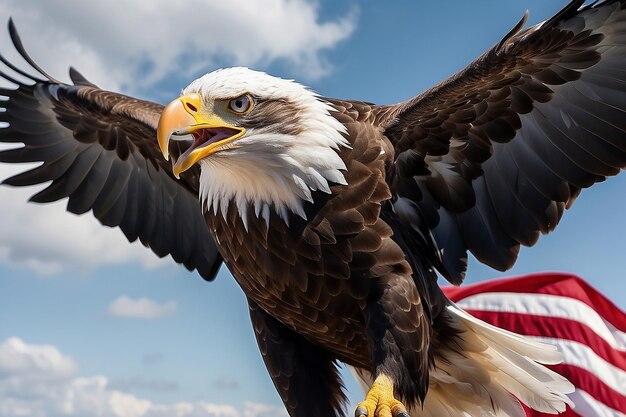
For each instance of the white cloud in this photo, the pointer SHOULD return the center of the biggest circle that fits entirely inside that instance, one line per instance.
(48, 240)
(121, 44)
(45, 385)
(262, 410)
(17, 357)
(141, 308)
(142, 383)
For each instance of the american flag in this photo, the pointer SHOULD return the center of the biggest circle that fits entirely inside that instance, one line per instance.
(564, 310)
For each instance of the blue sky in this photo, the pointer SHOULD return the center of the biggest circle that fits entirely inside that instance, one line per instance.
(63, 278)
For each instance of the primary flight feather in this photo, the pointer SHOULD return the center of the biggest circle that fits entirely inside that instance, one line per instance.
(334, 216)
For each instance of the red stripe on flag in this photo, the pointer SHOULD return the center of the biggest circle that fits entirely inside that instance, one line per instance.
(554, 283)
(558, 328)
(566, 329)
(592, 385)
(567, 413)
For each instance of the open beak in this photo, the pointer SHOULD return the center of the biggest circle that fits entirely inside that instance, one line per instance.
(182, 120)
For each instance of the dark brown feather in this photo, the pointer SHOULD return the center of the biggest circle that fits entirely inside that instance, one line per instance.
(99, 149)
(499, 149)
(305, 375)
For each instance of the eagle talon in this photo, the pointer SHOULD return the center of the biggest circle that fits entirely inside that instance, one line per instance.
(360, 412)
(380, 402)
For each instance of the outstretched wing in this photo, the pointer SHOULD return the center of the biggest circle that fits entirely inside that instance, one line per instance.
(491, 158)
(99, 149)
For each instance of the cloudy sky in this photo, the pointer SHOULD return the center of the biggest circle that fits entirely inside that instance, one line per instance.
(91, 325)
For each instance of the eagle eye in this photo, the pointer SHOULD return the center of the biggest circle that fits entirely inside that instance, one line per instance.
(240, 104)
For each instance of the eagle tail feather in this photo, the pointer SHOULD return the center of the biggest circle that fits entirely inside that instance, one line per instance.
(489, 372)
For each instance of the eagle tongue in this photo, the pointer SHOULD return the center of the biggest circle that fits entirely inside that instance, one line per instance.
(204, 137)
(201, 138)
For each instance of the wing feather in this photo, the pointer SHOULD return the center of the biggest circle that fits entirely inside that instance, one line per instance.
(99, 150)
(499, 150)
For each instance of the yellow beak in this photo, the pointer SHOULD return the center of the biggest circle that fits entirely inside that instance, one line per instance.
(183, 117)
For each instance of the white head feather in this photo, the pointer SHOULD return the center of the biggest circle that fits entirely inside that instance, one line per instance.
(270, 170)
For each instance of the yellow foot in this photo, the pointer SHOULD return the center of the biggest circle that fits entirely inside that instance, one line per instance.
(379, 401)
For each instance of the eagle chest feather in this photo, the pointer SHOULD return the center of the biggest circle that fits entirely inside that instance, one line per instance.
(315, 275)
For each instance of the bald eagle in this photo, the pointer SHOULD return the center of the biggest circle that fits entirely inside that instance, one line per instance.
(335, 216)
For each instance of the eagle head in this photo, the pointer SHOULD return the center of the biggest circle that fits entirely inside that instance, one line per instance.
(262, 142)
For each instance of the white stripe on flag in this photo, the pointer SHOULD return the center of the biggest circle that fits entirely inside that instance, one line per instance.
(548, 306)
(587, 406)
(584, 357)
